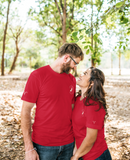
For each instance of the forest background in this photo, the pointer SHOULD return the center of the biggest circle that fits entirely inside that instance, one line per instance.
(32, 31)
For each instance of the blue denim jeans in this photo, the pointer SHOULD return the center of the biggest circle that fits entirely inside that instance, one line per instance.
(105, 156)
(55, 152)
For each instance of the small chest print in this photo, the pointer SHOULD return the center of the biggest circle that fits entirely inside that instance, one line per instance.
(71, 89)
(82, 112)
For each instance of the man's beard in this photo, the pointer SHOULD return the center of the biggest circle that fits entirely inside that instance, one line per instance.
(66, 68)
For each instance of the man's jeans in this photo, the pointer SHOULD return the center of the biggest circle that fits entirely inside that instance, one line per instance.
(105, 156)
(55, 153)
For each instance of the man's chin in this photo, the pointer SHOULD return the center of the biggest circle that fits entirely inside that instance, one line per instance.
(67, 72)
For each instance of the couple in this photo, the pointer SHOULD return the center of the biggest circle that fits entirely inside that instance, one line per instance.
(56, 126)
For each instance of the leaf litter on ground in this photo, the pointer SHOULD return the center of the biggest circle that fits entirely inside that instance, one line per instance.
(117, 126)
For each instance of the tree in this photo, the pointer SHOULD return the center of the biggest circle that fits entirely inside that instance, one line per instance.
(118, 15)
(4, 38)
(16, 33)
(121, 44)
(121, 8)
(3, 4)
(59, 16)
(90, 34)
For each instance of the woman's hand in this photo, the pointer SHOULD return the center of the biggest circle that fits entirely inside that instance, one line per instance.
(74, 158)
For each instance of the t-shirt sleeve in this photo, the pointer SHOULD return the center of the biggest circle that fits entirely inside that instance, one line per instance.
(32, 88)
(94, 118)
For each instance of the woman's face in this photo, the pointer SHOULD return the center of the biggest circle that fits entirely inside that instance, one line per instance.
(83, 80)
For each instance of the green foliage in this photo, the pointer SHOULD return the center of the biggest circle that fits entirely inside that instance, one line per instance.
(123, 20)
(41, 36)
(119, 4)
(87, 52)
(87, 31)
(49, 16)
(127, 54)
(37, 63)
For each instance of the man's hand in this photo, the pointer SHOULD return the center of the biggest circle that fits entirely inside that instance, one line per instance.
(32, 155)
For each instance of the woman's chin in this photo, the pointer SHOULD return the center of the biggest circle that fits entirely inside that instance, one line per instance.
(78, 83)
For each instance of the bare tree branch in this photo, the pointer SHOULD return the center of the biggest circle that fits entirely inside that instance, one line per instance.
(72, 26)
(72, 15)
(113, 9)
(61, 5)
(61, 18)
(72, 11)
(53, 29)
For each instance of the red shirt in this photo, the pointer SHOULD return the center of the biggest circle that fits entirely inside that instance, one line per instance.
(53, 94)
(87, 116)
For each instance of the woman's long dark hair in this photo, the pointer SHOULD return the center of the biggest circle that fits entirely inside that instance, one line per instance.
(96, 91)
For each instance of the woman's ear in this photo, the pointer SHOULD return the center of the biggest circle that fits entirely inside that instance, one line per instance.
(92, 83)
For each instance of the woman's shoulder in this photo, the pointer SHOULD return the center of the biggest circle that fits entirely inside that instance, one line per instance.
(94, 103)
(78, 97)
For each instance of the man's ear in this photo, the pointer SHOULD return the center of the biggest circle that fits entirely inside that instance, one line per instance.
(66, 58)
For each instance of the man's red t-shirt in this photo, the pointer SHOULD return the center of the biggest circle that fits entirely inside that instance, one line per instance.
(88, 116)
(54, 95)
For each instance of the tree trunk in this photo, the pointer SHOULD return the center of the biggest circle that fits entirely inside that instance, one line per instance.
(64, 23)
(30, 59)
(111, 65)
(119, 62)
(94, 53)
(4, 39)
(92, 60)
(15, 58)
(30, 63)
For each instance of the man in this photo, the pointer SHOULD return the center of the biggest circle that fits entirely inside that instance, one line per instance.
(52, 89)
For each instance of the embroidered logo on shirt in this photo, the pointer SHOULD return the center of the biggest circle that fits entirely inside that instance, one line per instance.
(82, 112)
(94, 122)
(71, 89)
(25, 92)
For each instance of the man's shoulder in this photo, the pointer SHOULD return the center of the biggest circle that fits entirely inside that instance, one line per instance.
(40, 70)
(72, 77)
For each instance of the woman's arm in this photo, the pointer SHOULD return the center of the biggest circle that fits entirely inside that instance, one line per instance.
(87, 144)
(75, 149)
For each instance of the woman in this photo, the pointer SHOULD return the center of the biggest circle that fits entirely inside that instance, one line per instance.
(88, 117)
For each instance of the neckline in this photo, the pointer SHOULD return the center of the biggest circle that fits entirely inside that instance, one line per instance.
(58, 74)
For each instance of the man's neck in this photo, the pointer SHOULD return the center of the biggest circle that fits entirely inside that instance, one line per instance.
(56, 66)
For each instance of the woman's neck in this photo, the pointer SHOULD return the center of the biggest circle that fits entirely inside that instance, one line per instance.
(83, 90)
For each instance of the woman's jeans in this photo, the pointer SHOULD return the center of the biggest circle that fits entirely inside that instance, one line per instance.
(105, 156)
(55, 152)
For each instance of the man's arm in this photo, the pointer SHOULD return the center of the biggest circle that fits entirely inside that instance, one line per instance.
(26, 129)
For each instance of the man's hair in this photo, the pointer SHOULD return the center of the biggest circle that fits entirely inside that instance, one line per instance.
(71, 48)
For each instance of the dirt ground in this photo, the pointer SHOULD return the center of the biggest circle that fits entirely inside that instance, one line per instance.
(117, 126)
